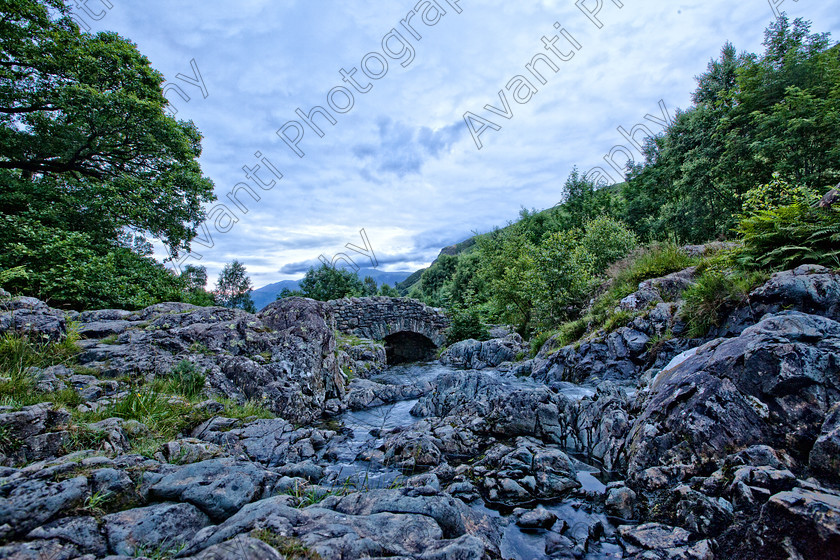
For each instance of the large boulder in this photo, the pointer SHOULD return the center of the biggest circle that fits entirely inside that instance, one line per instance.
(161, 528)
(271, 443)
(361, 357)
(364, 393)
(374, 524)
(602, 423)
(654, 541)
(658, 290)
(810, 289)
(473, 354)
(31, 433)
(770, 385)
(218, 487)
(32, 502)
(241, 548)
(498, 408)
(284, 357)
(825, 455)
(524, 473)
(32, 317)
(802, 524)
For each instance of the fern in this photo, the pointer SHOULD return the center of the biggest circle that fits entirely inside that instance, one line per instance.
(791, 235)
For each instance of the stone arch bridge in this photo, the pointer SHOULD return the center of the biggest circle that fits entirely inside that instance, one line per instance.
(411, 330)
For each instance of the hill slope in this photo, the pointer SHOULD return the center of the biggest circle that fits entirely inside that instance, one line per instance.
(265, 295)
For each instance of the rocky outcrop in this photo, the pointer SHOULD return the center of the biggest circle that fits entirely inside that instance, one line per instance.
(473, 354)
(718, 448)
(364, 393)
(810, 289)
(802, 522)
(659, 290)
(361, 357)
(488, 405)
(380, 523)
(622, 355)
(285, 356)
(824, 459)
(772, 385)
(272, 443)
(657, 541)
(524, 473)
(157, 527)
(30, 316)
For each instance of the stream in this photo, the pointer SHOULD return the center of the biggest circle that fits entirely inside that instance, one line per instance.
(518, 544)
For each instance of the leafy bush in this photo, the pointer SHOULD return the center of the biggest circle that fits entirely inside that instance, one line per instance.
(466, 324)
(775, 194)
(788, 236)
(563, 275)
(201, 298)
(608, 240)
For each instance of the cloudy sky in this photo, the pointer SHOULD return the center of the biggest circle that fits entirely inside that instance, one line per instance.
(401, 162)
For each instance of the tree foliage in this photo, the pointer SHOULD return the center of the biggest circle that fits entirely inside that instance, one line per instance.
(91, 165)
(752, 116)
(233, 288)
(607, 240)
(326, 283)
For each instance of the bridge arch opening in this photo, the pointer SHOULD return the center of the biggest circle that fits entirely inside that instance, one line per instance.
(404, 347)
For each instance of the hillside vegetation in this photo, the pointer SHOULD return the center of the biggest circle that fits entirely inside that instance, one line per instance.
(748, 162)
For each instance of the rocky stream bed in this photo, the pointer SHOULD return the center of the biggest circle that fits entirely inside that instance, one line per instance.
(638, 444)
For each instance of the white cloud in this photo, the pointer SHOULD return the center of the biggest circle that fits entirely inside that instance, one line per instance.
(401, 164)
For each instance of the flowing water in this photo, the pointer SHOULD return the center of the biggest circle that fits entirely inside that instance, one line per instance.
(518, 544)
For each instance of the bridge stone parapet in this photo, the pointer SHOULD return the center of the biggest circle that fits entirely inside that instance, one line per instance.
(379, 318)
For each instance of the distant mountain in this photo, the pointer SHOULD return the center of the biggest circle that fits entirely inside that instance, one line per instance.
(382, 277)
(267, 294)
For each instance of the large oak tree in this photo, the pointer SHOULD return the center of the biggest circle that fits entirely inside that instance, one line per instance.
(90, 164)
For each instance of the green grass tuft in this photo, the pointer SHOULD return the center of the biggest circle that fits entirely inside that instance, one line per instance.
(290, 547)
(715, 293)
(185, 380)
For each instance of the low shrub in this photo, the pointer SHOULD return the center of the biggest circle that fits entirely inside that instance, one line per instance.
(608, 240)
(466, 324)
(715, 293)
